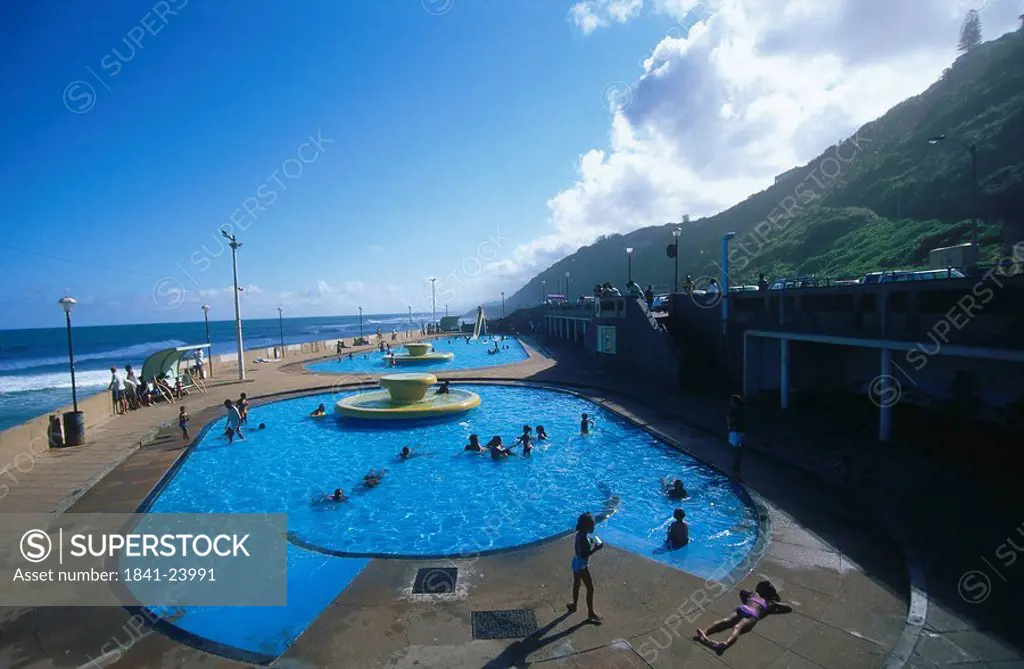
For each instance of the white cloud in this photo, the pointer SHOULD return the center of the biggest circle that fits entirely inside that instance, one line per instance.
(724, 104)
(590, 15)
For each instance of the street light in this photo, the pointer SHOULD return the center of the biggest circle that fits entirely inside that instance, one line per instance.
(675, 254)
(360, 322)
(724, 287)
(206, 321)
(280, 322)
(567, 287)
(502, 304)
(235, 244)
(543, 291)
(410, 317)
(74, 423)
(973, 150)
(629, 264)
(433, 301)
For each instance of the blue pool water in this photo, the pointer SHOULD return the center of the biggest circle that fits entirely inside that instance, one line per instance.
(469, 355)
(446, 501)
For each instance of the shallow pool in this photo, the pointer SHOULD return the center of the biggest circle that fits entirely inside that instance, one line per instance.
(468, 355)
(445, 502)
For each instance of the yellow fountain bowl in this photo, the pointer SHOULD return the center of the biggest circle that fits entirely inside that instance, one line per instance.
(379, 405)
(418, 349)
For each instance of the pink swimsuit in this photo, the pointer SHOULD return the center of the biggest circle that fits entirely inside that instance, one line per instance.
(755, 608)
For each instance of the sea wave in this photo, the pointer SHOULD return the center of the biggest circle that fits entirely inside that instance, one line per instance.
(33, 382)
(133, 352)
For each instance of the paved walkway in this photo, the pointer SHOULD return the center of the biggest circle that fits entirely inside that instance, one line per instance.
(846, 577)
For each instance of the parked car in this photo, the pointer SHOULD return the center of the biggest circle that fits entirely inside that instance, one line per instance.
(798, 282)
(660, 303)
(742, 289)
(900, 276)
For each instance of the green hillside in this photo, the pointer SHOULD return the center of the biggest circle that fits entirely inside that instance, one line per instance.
(881, 199)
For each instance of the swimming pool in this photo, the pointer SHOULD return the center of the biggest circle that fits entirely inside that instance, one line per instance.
(443, 501)
(468, 355)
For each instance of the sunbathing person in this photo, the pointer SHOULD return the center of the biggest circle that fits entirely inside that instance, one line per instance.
(754, 606)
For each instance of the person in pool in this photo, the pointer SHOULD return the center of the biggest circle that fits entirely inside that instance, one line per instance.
(262, 426)
(474, 445)
(541, 434)
(678, 531)
(675, 490)
(443, 388)
(337, 496)
(525, 441)
(527, 432)
(497, 449)
(753, 607)
(318, 412)
(373, 478)
(406, 453)
(586, 422)
(584, 547)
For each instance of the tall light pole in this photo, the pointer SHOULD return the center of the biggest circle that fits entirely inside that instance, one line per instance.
(973, 150)
(629, 265)
(360, 322)
(543, 291)
(567, 284)
(234, 244)
(725, 281)
(206, 321)
(433, 301)
(502, 304)
(280, 322)
(74, 423)
(410, 317)
(675, 254)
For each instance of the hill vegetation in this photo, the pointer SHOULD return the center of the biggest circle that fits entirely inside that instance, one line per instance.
(881, 199)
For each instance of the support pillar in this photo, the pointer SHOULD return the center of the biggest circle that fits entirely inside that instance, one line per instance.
(784, 373)
(885, 406)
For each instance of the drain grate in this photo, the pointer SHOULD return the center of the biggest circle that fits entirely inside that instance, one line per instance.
(513, 624)
(435, 581)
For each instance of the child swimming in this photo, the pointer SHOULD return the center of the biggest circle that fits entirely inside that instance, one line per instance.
(678, 531)
(586, 422)
(498, 449)
(337, 496)
(541, 434)
(474, 445)
(675, 490)
(318, 412)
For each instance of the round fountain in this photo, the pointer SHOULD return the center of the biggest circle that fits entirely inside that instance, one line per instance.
(421, 352)
(407, 396)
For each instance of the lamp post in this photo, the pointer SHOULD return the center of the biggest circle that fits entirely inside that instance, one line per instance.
(433, 301)
(235, 244)
(629, 265)
(567, 280)
(502, 304)
(280, 322)
(410, 317)
(724, 287)
(74, 424)
(360, 322)
(543, 291)
(206, 321)
(675, 236)
(972, 149)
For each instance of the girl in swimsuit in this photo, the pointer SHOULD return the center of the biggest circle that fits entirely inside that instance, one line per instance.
(584, 548)
(754, 606)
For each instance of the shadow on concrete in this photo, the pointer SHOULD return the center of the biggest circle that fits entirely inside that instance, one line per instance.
(951, 484)
(516, 654)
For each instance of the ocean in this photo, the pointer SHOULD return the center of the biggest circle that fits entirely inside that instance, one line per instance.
(34, 374)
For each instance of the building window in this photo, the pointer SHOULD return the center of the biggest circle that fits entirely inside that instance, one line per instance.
(606, 339)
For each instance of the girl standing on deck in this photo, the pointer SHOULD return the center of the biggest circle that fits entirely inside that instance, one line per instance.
(584, 548)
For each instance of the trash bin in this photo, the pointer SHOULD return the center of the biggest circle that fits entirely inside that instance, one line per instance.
(55, 434)
(74, 428)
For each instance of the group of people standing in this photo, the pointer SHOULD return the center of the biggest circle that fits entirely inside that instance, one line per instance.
(131, 392)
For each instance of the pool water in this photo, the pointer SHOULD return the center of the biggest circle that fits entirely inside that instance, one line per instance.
(444, 501)
(468, 355)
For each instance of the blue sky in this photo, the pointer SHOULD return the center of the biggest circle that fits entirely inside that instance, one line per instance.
(439, 132)
(377, 144)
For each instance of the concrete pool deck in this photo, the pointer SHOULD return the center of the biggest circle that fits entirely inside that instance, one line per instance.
(847, 579)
